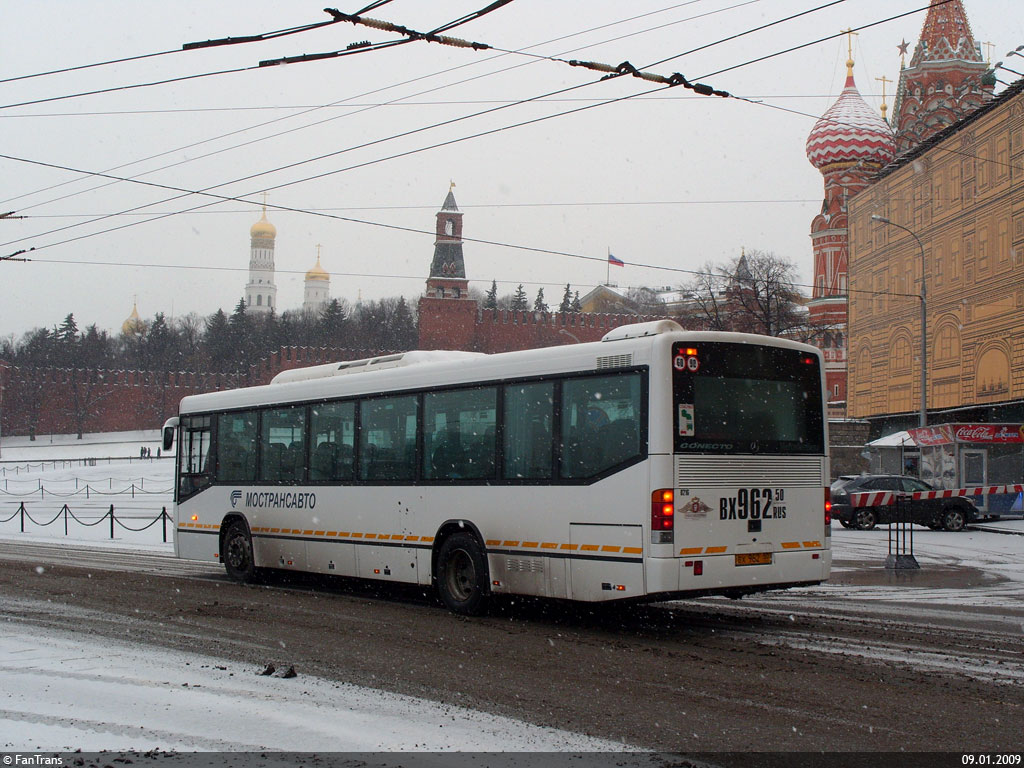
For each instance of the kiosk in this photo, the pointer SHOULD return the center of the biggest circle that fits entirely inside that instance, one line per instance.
(972, 456)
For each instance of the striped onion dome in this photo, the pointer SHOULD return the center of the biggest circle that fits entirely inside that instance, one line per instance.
(850, 131)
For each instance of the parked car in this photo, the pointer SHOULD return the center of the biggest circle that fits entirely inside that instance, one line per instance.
(949, 514)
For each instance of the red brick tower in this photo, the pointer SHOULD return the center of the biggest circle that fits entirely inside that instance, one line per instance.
(447, 315)
(946, 79)
(849, 144)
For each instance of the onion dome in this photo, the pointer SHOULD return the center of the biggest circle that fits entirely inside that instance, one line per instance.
(317, 272)
(133, 324)
(263, 228)
(850, 132)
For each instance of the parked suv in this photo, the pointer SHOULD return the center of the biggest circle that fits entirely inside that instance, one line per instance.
(951, 514)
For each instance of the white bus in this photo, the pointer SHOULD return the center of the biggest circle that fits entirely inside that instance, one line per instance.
(654, 464)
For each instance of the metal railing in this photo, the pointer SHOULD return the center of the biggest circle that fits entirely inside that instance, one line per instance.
(110, 515)
(87, 489)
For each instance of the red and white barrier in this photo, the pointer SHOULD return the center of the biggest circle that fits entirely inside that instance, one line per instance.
(888, 498)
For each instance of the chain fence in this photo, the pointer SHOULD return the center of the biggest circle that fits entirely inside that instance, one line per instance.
(13, 469)
(66, 515)
(136, 486)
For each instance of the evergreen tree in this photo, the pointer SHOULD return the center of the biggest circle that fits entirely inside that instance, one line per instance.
(160, 350)
(519, 301)
(491, 299)
(539, 305)
(331, 326)
(566, 304)
(67, 334)
(217, 342)
(402, 332)
(576, 306)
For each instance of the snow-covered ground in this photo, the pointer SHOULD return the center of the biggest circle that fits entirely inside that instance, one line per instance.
(62, 692)
(141, 698)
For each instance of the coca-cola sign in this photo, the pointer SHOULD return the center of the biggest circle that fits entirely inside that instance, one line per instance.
(968, 433)
(932, 435)
(989, 433)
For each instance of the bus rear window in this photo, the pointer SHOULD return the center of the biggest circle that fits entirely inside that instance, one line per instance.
(745, 398)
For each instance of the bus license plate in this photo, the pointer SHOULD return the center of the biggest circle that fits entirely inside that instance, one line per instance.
(754, 558)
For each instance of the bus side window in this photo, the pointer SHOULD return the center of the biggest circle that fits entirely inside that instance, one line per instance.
(283, 445)
(600, 423)
(528, 421)
(332, 430)
(387, 438)
(459, 434)
(236, 447)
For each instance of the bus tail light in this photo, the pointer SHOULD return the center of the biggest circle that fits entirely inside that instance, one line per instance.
(663, 514)
(828, 507)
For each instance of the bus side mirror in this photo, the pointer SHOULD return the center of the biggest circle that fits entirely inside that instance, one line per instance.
(168, 438)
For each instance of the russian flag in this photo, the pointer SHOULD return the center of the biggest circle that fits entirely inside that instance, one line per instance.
(615, 262)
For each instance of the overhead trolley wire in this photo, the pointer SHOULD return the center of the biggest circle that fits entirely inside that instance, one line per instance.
(257, 38)
(279, 207)
(366, 93)
(355, 147)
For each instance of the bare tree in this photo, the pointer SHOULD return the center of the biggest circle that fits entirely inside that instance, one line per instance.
(706, 305)
(753, 293)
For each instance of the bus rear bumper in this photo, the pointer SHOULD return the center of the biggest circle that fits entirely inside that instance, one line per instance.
(722, 575)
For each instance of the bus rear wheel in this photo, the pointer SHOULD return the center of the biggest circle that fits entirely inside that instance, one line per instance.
(237, 553)
(462, 575)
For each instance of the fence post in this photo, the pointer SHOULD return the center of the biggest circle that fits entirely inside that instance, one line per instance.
(133, 490)
(21, 510)
(87, 490)
(65, 510)
(163, 524)
(111, 522)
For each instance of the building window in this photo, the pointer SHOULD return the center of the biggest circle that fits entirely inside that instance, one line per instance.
(900, 355)
(259, 300)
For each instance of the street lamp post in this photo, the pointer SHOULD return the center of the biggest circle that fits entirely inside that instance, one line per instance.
(924, 318)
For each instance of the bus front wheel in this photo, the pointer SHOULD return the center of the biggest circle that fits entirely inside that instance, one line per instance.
(462, 575)
(237, 553)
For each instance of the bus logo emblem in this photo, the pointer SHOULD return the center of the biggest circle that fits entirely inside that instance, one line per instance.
(235, 496)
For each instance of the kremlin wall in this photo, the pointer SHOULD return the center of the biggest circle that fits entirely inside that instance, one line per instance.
(40, 401)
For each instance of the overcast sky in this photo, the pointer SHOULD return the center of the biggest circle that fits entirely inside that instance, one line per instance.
(669, 179)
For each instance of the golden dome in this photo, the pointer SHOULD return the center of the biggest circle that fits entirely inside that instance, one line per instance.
(263, 228)
(133, 324)
(317, 272)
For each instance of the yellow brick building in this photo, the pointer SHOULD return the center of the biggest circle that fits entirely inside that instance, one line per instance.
(962, 194)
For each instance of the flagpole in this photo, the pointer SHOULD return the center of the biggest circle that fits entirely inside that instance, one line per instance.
(608, 268)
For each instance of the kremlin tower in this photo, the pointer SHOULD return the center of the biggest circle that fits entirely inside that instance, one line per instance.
(447, 314)
(947, 79)
(260, 291)
(848, 145)
(448, 269)
(317, 291)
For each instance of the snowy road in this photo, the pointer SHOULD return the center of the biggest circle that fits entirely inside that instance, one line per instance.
(874, 660)
(695, 675)
(140, 698)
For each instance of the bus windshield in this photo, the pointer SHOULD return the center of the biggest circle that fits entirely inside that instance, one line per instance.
(743, 398)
